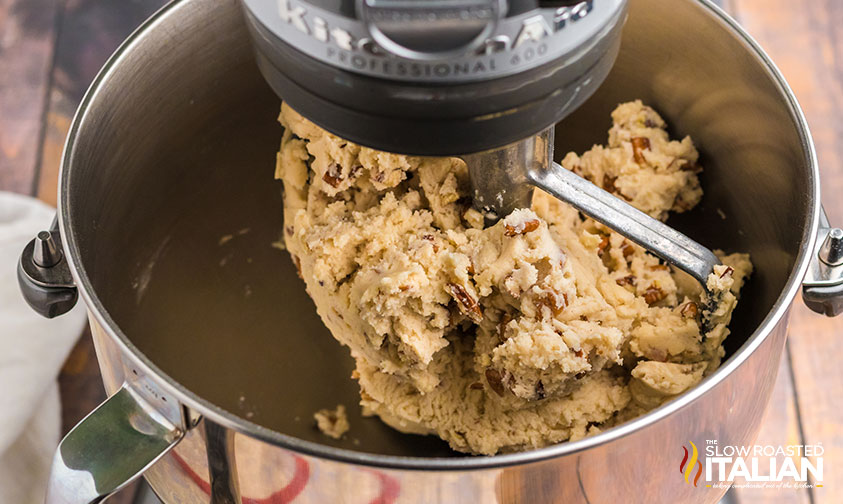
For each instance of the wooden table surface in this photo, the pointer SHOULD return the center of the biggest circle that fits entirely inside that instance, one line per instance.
(51, 49)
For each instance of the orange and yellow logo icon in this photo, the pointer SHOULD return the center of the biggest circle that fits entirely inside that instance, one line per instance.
(687, 466)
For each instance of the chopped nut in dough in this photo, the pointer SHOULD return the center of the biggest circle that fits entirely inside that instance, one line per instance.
(544, 327)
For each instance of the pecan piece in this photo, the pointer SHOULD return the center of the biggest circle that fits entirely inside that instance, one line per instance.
(653, 295)
(627, 280)
(603, 246)
(505, 319)
(476, 386)
(493, 376)
(639, 145)
(690, 310)
(468, 305)
(691, 167)
(554, 301)
(431, 239)
(627, 249)
(521, 228)
(609, 183)
(333, 175)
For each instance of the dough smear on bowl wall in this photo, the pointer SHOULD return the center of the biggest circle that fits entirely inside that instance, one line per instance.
(544, 327)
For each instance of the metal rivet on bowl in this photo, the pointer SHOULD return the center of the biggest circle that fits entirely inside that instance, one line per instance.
(831, 251)
(46, 254)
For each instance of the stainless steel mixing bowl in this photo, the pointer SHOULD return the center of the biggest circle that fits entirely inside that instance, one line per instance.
(216, 359)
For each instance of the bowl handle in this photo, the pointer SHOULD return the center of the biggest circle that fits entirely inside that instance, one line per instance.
(109, 448)
(822, 288)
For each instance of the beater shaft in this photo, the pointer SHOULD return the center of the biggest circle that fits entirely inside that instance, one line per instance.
(503, 180)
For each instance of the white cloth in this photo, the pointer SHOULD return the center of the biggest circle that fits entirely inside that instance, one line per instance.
(32, 350)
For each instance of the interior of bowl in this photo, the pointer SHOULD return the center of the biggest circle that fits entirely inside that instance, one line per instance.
(174, 210)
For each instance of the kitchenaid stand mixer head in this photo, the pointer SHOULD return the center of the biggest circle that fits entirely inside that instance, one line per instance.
(484, 80)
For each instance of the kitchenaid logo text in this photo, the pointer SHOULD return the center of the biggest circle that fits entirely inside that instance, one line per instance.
(759, 466)
(362, 53)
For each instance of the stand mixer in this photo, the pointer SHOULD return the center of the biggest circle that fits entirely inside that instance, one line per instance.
(484, 80)
(178, 362)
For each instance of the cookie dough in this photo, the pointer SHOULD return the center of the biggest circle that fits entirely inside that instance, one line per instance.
(544, 327)
(332, 422)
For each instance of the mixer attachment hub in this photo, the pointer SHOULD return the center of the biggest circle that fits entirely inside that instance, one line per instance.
(432, 29)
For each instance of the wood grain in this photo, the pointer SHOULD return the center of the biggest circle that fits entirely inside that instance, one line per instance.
(27, 36)
(806, 42)
(56, 125)
(91, 31)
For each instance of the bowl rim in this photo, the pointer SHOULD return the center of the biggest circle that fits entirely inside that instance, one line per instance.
(231, 421)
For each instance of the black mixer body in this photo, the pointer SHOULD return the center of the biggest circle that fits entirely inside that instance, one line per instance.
(484, 80)
(440, 77)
